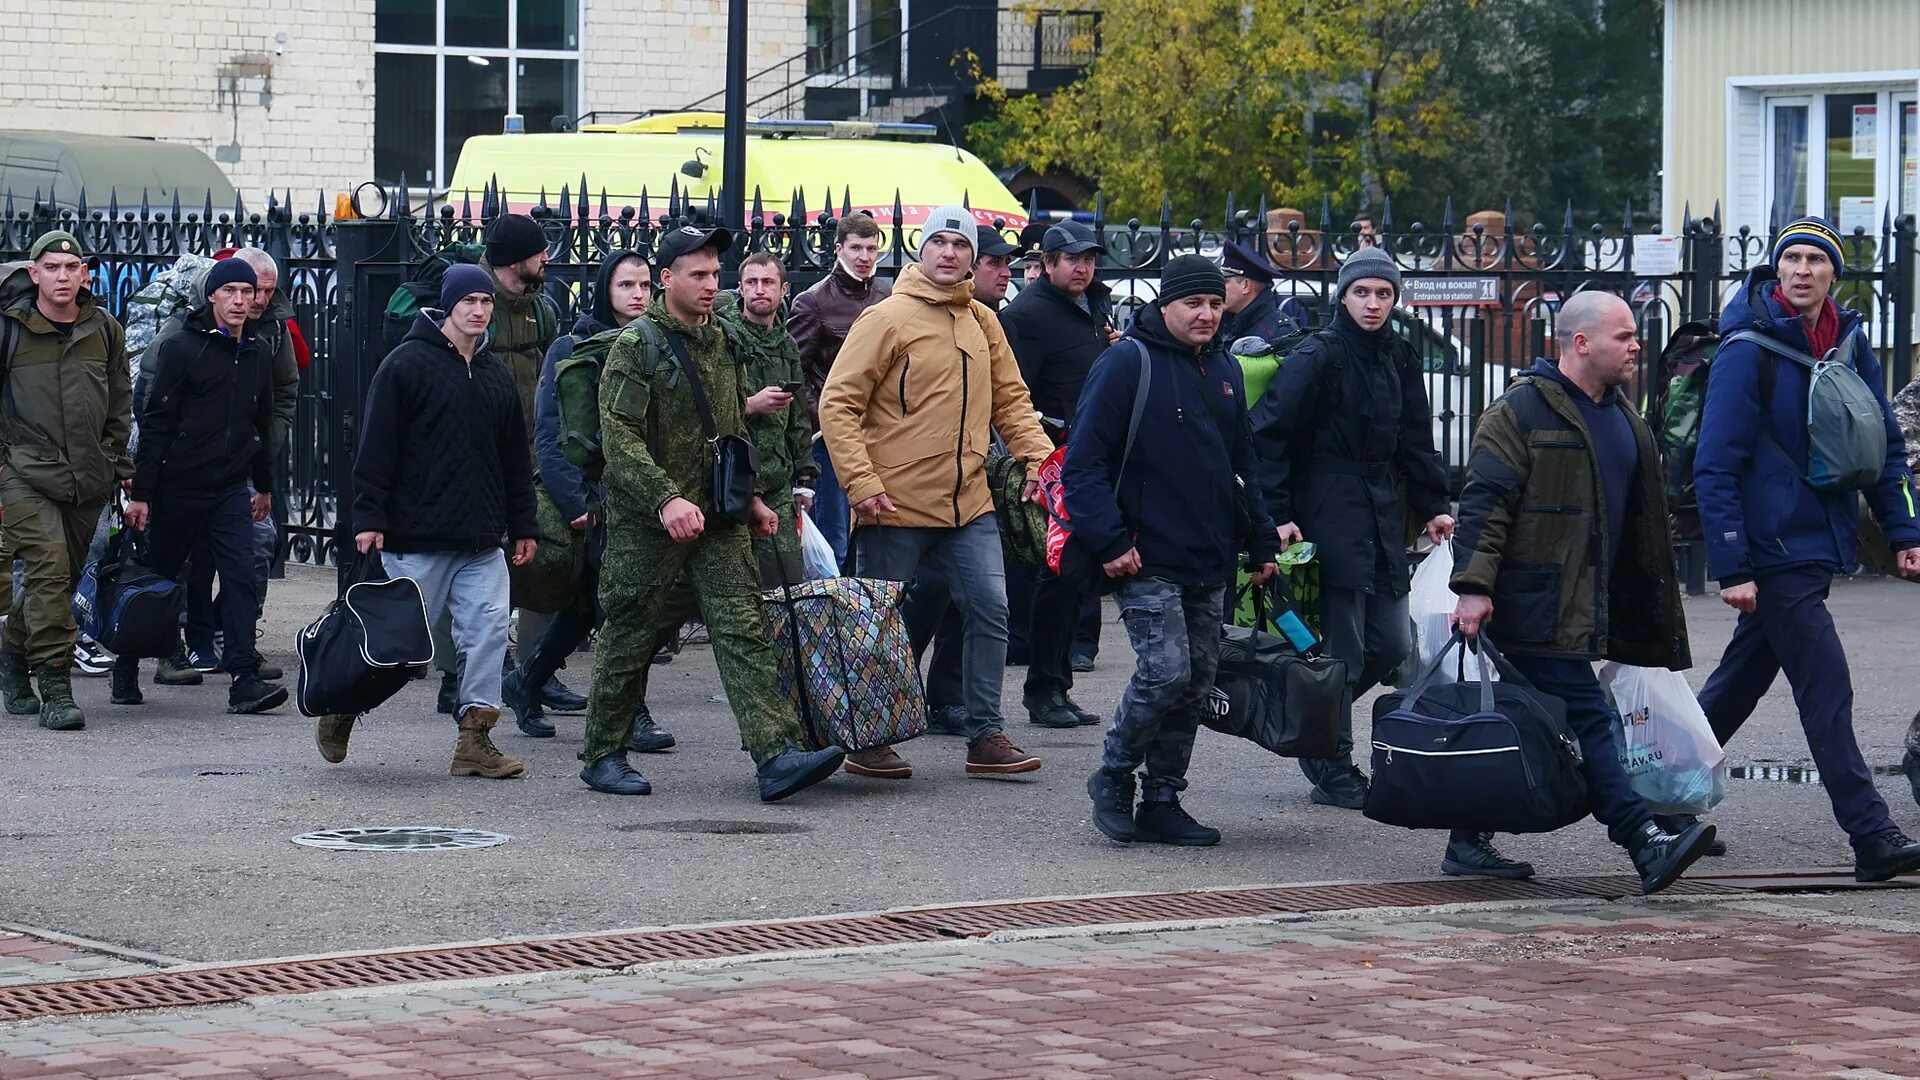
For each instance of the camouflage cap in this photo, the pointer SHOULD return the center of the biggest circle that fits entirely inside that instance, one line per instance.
(58, 242)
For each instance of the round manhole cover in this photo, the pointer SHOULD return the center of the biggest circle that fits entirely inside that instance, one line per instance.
(401, 838)
(718, 827)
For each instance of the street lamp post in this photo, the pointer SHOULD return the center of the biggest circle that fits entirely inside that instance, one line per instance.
(733, 158)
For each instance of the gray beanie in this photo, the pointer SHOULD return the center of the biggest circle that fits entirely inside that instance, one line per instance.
(1369, 262)
(957, 220)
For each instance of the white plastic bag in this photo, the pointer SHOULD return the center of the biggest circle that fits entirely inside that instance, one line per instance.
(1431, 606)
(816, 555)
(1666, 745)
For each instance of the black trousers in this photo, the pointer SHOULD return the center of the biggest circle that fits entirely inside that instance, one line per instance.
(217, 531)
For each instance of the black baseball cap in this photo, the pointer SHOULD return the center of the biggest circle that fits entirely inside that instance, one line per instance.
(990, 242)
(690, 238)
(1071, 238)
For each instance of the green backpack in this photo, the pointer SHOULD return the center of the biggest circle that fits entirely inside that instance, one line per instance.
(576, 390)
(423, 290)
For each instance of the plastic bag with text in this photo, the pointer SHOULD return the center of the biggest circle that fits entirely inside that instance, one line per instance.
(1666, 746)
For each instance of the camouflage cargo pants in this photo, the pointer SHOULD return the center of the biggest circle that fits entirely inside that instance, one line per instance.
(1175, 633)
(640, 568)
(51, 539)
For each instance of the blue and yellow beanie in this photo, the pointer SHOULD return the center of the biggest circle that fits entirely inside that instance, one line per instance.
(1813, 232)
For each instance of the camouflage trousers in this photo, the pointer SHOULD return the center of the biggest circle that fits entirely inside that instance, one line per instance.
(51, 539)
(1175, 633)
(637, 575)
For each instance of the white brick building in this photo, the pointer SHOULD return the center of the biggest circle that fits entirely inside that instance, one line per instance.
(318, 95)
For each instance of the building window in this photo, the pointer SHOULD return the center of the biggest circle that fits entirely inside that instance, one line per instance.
(446, 70)
(1846, 154)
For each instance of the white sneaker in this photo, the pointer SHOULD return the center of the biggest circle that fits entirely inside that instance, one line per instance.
(90, 658)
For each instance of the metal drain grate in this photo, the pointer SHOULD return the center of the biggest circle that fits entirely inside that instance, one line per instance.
(612, 952)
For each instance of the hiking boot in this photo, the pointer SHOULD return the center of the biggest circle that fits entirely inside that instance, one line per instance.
(1087, 719)
(1342, 785)
(15, 685)
(1081, 663)
(1472, 854)
(330, 734)
(203, 660)
(1112, 794)
(794, 770)
(90, 658)
(557, 697)
(250, 694)
(57, 710)
(175, 671)
(1661, 857)
(123, 683)
(475, 754)
(1050, 710)
(948, 720)
(612, 775)
(648, 737)
(1679, 823)
(528, 714)
(1169, 823)
(662, 655)
(449, 700)
(995, 755)
(881, 763)
(1885, 855)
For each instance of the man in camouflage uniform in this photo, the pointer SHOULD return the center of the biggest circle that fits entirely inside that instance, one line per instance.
(659, 479)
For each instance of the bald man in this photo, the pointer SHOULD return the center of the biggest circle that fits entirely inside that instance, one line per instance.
(1565, 498)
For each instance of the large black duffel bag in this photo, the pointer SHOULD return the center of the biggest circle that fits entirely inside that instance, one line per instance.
(123, 603)
(1481, 755)
(367, 644)
(1270, 694)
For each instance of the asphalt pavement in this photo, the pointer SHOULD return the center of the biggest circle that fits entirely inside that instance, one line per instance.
(167, 827)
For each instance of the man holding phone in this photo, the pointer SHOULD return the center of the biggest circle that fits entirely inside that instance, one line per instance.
(776, 420)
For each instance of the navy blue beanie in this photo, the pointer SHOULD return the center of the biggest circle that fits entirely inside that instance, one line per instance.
(230, 272)
(461, 282)
(1816, 232)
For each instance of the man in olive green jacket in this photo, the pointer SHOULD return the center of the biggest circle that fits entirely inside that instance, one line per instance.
(70, 409)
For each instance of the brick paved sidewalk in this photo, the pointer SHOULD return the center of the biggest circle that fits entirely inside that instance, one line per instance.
(1589, 990)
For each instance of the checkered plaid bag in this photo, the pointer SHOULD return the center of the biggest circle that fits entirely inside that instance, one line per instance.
(843, 640)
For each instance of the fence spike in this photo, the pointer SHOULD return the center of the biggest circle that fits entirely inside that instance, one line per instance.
(113, 204)
(1686, 218)
(644, 211)
(1033, 202)
(1166, 214)
(1627, 224)
(1386, 215)
(899, 226)
(604, 216)
(758, 213)
(1326, 216)
(1446, 218)
(1231, 210)
(966, 199)
(846, 200)
(1716, 214)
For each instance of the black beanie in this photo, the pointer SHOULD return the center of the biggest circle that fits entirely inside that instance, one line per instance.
(230, 272)
(512, 238)
(1191, 275)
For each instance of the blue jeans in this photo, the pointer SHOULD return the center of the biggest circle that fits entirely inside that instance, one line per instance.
(970, 559)
(1175, 631)
(1615, 804)
(831, 511)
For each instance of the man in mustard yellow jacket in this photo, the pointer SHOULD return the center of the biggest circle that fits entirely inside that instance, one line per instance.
(908, 412)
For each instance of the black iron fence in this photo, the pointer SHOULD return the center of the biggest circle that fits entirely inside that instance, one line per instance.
(1479, 298)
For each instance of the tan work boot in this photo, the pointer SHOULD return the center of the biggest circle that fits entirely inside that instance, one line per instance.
(475, 754)
(330, 734)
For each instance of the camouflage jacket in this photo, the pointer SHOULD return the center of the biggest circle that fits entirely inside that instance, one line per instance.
(650, 428)
(785, 440)
(1906, 410)
(521, 337)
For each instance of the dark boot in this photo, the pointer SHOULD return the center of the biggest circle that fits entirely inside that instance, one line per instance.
(948, 720)
(270, 672)
(1661, 857)
(1341, 784)
(1050, 710)
(794, 770)
(1885, 855)
(1472, 854)
(1169, 823)
(647, 737)
(1679, 823)
(557, 697)
(1112, 794)
(528, 714)
(1087, 719)
(123, 682)
(612, 775)
(176, 671)
(449, 700)
(57, 710)
(249, 695)
(16, 686)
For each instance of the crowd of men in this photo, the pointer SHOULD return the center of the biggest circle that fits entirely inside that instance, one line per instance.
(1174, 482)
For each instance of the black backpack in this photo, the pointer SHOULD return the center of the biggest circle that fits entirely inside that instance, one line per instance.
(367, 644)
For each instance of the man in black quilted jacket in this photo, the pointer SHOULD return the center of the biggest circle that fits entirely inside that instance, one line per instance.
(443, 474)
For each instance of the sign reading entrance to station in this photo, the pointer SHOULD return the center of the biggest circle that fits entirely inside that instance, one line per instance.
(1452, 291)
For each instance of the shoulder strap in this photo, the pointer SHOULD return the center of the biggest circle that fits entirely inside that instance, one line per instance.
(1139, 402)
(692, 371)
(1778, 348)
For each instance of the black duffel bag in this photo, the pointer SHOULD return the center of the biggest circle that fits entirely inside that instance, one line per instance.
(1480, 755)
(126, 605)
(1270, 694)
(366, 646)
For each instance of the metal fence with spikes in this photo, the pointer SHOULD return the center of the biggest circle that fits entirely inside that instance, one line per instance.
(1479, 301)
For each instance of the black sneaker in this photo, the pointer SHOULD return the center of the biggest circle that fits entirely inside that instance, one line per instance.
(1885, 855)
(1661, 857)
(1081, 663)
(1342, 785)
(1087, 719)
(250, 695)
(528, 715)
(1472, 854)
(449, 700)
(560, 699)
(204, 661)
(1050, 711)
(948, 720)
(1679, 823)
(1169, 823)
(123, 681)
(612, 775)
(1112, 794)
(647, 737)
(794, 770)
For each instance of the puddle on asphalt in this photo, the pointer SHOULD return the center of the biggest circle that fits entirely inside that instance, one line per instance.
(1781, 773)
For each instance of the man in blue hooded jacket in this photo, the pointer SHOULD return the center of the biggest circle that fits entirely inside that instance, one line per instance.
(1775, 542)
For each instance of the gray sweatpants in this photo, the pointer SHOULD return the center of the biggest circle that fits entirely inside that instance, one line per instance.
(472, 592)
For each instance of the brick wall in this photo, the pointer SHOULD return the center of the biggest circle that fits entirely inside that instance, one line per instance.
(205, 73)
(664, 54)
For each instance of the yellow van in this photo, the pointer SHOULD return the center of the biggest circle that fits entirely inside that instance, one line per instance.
(827, 161)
